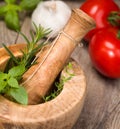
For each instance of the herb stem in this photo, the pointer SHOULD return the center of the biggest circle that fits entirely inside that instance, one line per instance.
(10, 79)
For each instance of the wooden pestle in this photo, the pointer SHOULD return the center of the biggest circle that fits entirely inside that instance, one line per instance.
(40, 83)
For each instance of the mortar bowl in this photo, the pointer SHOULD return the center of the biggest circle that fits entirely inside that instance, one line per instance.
(60, 113)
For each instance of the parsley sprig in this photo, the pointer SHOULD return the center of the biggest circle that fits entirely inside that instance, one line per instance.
(16, 67)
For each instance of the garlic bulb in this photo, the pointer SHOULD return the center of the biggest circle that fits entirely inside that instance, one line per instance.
(51, 14)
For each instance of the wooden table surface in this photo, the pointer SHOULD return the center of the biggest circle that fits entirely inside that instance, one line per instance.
(102, 104)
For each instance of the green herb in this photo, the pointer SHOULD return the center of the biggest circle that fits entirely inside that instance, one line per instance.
(9, 79)
(28, 4)
(19, 94)
(32, 46)
(59, 84)
(11, 9)
(10, 87)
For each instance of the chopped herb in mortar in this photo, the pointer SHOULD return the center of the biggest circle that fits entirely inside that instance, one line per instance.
(60, 83)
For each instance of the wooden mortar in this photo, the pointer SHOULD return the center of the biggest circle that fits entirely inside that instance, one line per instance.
(59, 113)
(39, 84)
(63, 111)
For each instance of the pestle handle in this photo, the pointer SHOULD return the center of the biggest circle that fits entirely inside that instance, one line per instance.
(77, 27)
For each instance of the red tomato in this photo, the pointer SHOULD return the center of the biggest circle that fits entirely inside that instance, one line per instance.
(99, 10)
(104, 50)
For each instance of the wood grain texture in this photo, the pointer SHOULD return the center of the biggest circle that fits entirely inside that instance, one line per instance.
(102, 104)
(4, 56)
(59, 113)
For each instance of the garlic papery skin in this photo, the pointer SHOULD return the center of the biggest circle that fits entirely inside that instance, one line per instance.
(51, 14)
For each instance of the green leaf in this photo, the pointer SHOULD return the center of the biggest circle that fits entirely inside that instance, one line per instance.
(19, 95)
(12, 20)
(29, 4)
(13, 7)
(12, 82)
(3, 80)
(17, 71)
(10, 1)
(3, 10)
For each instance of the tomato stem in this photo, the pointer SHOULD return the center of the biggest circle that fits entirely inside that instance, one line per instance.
(114, 18)
(118, 34)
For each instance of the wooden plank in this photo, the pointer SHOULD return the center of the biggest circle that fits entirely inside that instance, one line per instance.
(6, 36)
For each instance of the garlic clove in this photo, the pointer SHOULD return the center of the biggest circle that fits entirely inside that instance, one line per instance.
(51, 14)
